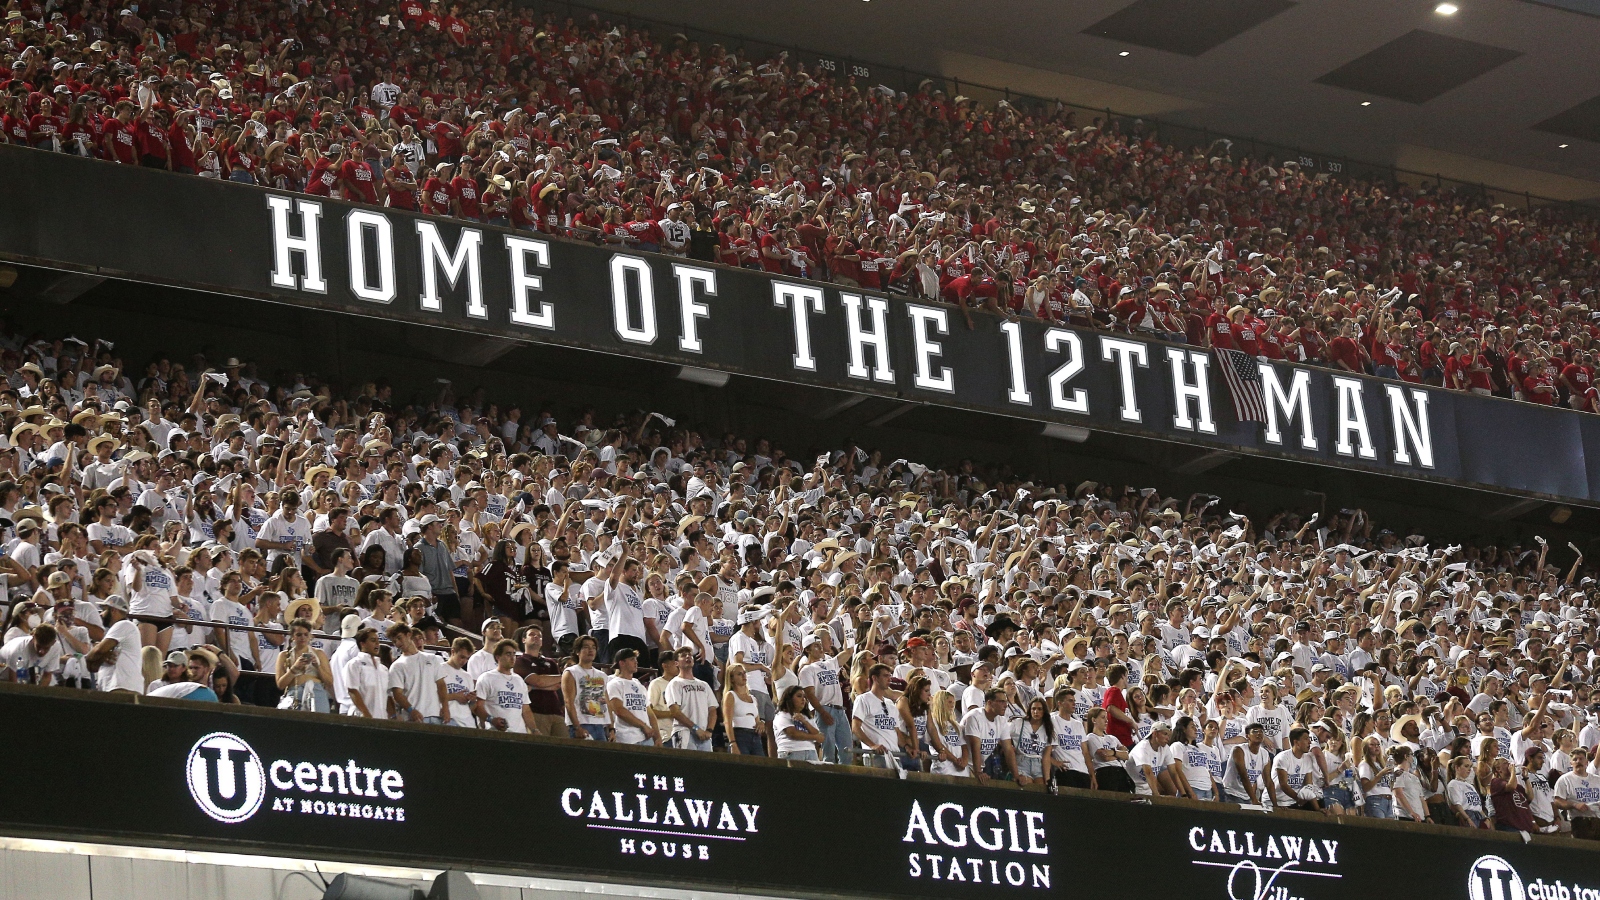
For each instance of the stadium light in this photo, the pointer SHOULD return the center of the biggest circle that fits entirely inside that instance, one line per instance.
(1447, 9)
(706, 377)
(1074, 433)
(450, 885)
(359, 887)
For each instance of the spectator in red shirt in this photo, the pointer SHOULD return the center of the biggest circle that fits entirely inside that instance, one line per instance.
(1456, 364)
(1479, 370)
(437, 198)
(155, 148)
(455, 28)
(400, 188)
(774, 251)
(1540, 385)
(1344, 352)
(357, 178)
(121, 137)
(1119, 723)
(464, 193)
(643, 233)
(44, 128)
(1577, 380)
(1245, 337)
(322, 172)
(1219, 334)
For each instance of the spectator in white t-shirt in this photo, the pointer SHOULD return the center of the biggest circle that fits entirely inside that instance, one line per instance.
(366, 679)
(416, 679)
(875, 721)
(285, 531)
(116, 658)
(692, 706)
(502, 695)
(988, 737)
(629, 704)
(460, 689)
(32, 658)
(1578, 791)
(1295, 775)
(795, 735)
(1148, 760)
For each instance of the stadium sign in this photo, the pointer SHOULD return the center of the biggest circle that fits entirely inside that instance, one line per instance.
(1494, 878)
(229, 783)
(659, 814)
(318, 253)
(996, 845)
(207, 777)
(1260, 864)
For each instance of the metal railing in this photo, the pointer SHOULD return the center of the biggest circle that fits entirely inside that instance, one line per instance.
(1180, 136)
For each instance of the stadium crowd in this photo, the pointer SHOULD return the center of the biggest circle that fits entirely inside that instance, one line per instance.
(188, 530)
(607, 134)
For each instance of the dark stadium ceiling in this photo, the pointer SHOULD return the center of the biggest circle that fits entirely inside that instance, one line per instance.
(1498, 83)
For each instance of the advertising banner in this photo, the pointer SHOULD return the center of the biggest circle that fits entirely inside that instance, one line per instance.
(294, 784)
(241, 241)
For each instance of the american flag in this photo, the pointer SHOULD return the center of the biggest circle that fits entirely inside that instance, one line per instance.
(1243, 376)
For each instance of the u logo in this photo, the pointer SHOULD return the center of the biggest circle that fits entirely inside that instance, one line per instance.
(225, 777)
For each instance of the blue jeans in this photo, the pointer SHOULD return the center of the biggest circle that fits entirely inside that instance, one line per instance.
(433, 720)
(806, 755)
(685, 740)
(602, 653)
(595, 732)
(1380, 807)
(1201, 793)
(750, 742)
(836, 737)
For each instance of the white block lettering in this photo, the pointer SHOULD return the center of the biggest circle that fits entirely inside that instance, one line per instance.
(801, 301)
(1284, 405)
(356, 226)
(1410, 426)
(1058, 340)
(1352, 420)
(924, 349)
(1126, 354)
(1185, 391)
(524, 283)
(463, 262)
(308, 245)
(860, 338)
(621, 317)
(691, 310)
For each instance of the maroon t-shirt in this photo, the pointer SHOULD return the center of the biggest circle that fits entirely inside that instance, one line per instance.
(544, 702)
(1510, 806)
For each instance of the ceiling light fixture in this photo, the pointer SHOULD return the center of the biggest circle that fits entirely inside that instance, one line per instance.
(1447, 9)
(1123, 53)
